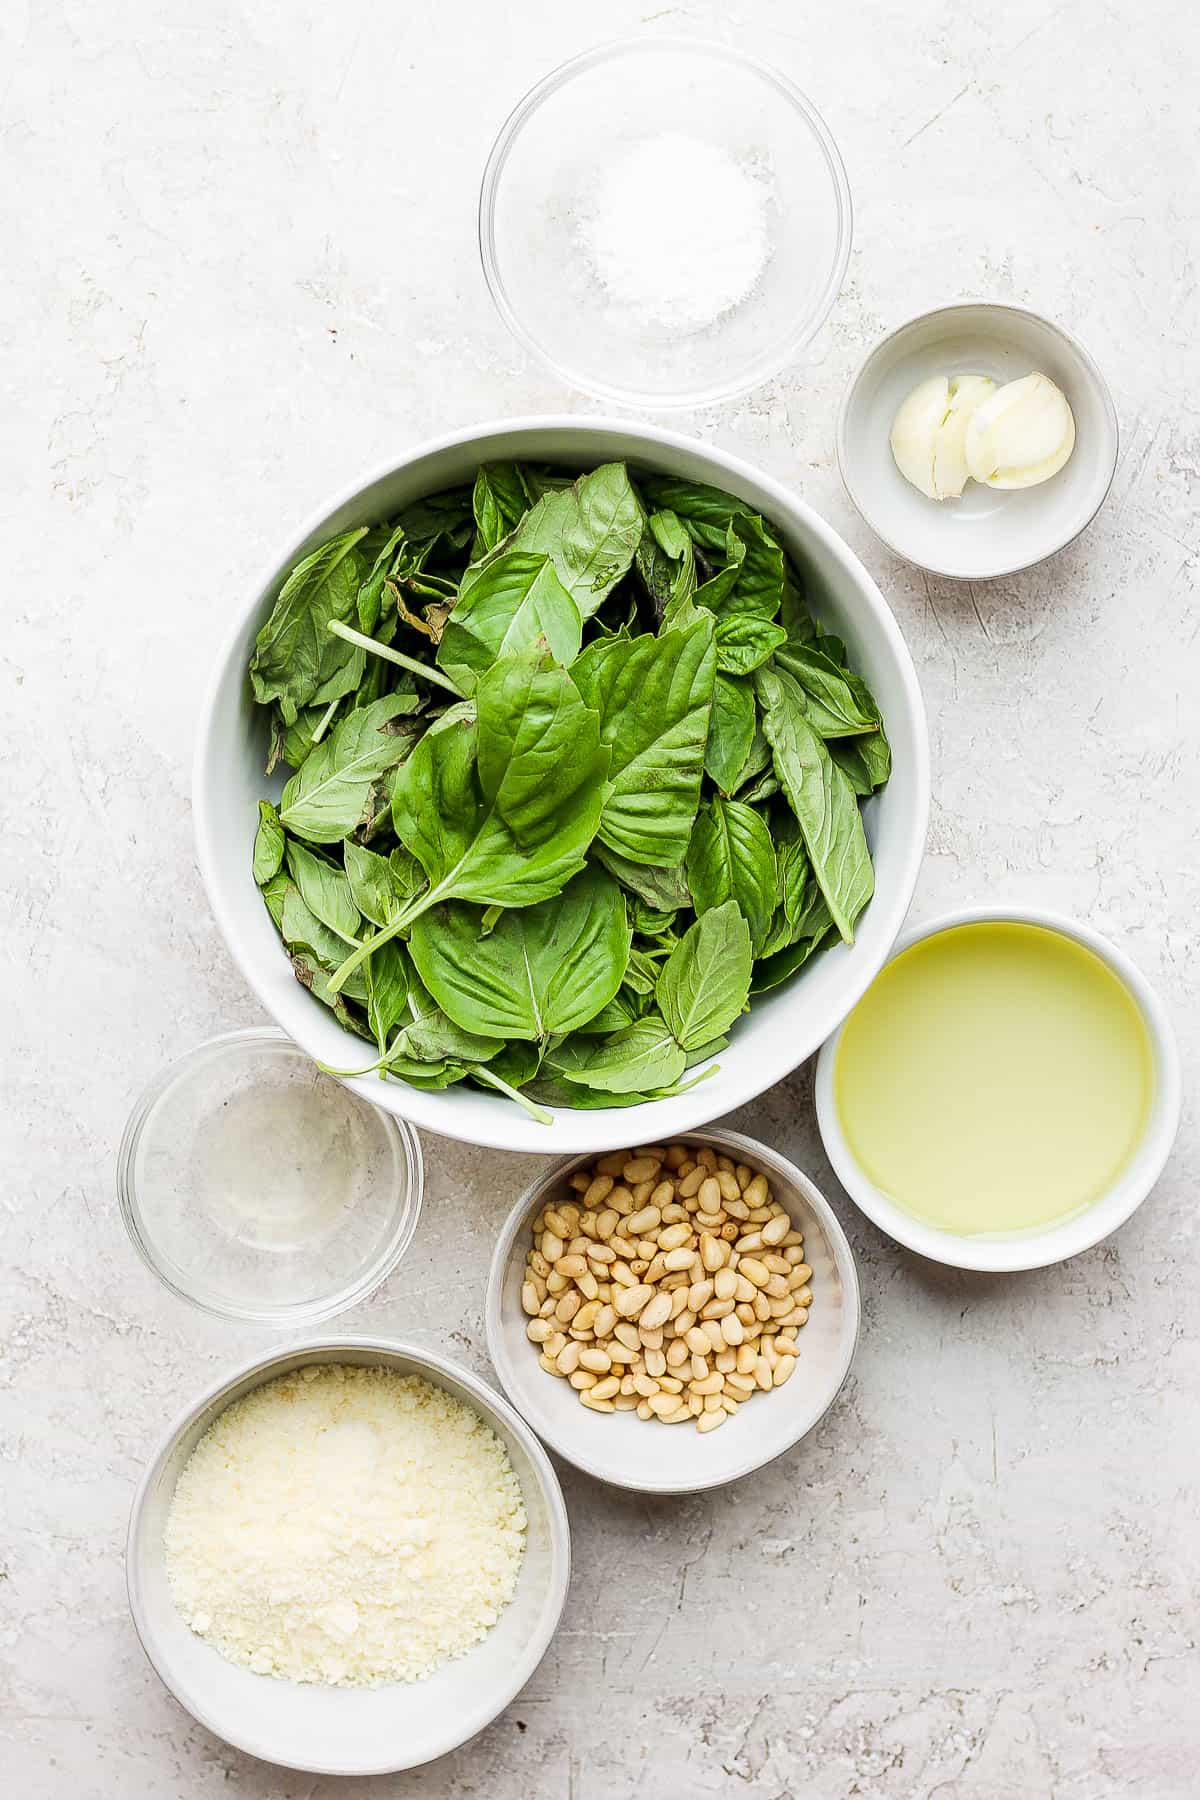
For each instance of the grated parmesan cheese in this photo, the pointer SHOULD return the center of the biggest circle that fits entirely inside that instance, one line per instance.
(345, 1525)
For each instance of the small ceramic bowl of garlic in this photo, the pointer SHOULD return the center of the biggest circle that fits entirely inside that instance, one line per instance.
(977, 440)
(673, 1316)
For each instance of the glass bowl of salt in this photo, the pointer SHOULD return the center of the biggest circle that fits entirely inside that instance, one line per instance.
(665, 222)
(263, 1190)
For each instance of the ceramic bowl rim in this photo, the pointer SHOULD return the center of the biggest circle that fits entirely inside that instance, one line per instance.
(757, 1154)
(1041, 1247)
(268, 1364)
(1095, 377)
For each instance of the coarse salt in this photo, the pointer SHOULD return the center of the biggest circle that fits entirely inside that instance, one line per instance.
(345, 1525)
(677, 231)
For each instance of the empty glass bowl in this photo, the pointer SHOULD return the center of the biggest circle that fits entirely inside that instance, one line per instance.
(260, 1189)
(599, 114)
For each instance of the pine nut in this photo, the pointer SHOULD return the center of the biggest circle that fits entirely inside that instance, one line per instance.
(741, 1386)
(640, 1222)
(529, 1298)
(708, 1384)
(712, 1329)
(538, 1330)
(643, 1410)
(550, 1366)
(786, 1346)
(651, 1337)
(676, 1261)
(727, 1183)
(712, 1403)
(783, 1371)
(676, 1353)
(612, 1162)
(625, 1403)
(776, 1229)
(662, 1404)
(752, 1270)
(672, 1236)
(684, 1321)
(598, 1361)
(655, 1313)
(582, 1379)
(713, 1253)
(604, 1390)
(731, 1330)
(656, 1363)
(710, 1421)
(690, 1183)
(699, 1294)
(707, 1158)
(762, 1373)
(725, 1284)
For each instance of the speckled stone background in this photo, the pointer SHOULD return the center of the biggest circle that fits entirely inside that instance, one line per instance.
(239, 266)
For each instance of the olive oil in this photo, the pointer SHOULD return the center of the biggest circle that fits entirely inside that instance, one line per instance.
(997, 1077)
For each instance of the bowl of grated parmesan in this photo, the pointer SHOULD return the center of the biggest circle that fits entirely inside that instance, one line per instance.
(665, 221)
(347, 1557)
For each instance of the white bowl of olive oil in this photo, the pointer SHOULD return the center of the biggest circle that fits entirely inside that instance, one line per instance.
(1005, 1094)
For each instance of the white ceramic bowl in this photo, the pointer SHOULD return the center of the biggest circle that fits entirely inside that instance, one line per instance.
(784, 1027)
(987, 532)
(1053, 1243)
(336, 1730)
(658, 1459)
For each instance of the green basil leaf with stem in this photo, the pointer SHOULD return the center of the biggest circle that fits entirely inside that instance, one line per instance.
(730, 732)
(616, 1016)
(326, 797)
(270, 840)
(744, 642)
(835, 707)
(296, 662)
(325, 891)
(761, 568)
(663, 888)
(274, 893)
(507, 605)
(651, 922)
(706, 981)
(731, 857)
(641, 972)
(501, 809)
(642, 1056)
(500, 499)
(654, 696)
(543, 969)
(302, 931)
(590, 531)
(821, 798)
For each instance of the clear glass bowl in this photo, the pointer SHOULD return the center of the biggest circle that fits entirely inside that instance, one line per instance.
(539, 190)
(262, 1190)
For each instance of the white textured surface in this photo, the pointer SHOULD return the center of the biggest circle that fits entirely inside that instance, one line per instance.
(239, 266)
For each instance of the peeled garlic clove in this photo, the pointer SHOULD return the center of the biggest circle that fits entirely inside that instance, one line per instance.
(1022, 435)
(915, 429)
(950, 472)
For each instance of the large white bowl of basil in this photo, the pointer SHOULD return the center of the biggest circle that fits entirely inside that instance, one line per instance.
(563, 786)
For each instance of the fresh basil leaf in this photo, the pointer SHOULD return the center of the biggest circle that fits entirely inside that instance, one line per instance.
(380, 885)
(429, 1035)
(730, 732)
(385, 973)
(794, 615)
(641, 972)
(274, 893)
(369, 600)
(744, 642)
(325, 891)
(731, 857)
(772, 970)
(666, 565)
(654, 696)
(666, 889)
(642, 1056)
(704, 511)
(302, 931)
(447, 517)
(297, 661)
(543, 969)
(704, 984)
(589, 531)
(649, 921)
(325, 799)
(506, 605)
(835, 707)
(270, 841)
(501, 811)
(500, 499)
(311, 975)
(866, 762)
(615, 1016)
(821, 798)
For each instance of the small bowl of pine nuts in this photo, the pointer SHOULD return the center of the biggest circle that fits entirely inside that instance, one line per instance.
(703, 1284)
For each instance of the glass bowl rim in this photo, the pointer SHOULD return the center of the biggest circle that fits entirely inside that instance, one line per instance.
(782, 351)
(406, 1148)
